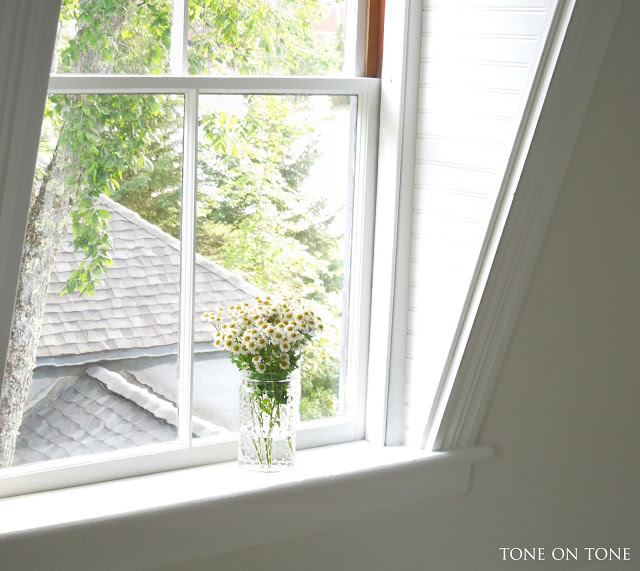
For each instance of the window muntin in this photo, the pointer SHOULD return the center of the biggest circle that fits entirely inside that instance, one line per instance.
(363, 113)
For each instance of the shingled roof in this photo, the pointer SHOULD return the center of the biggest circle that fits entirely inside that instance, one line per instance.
(86, 418)
(136, 308)
(99, 411)
(85, 408)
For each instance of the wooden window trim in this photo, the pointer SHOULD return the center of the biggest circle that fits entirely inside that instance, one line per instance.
(374, 38)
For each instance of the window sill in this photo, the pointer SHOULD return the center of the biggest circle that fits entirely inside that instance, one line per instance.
(327, 485)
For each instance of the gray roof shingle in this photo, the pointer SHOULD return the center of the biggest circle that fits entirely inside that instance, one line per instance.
(86, 418)
(137, 304)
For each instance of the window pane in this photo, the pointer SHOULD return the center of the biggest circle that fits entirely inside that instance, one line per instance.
(266, 37)
(273, 194)
(102, 341)
(113, 37)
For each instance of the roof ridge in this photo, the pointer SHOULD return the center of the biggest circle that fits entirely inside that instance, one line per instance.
(147, 400)
(234, 279)
(200, 260)
(136, 219)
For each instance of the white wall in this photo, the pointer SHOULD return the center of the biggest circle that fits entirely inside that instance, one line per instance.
(563, 418)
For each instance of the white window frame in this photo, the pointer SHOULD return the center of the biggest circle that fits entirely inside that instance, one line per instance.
(187, 451)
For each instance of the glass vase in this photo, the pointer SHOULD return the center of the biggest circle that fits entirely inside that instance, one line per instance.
(269, 415)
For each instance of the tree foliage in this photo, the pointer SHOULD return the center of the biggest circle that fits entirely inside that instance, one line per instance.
(251, 204)
(260, 37)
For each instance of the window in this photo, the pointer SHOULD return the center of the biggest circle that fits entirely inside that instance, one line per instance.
(387, 393)
(193, 154)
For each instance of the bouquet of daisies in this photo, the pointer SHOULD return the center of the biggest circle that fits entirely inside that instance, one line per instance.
(266, 338)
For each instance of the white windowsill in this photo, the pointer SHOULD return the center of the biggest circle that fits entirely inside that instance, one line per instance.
(354, 478)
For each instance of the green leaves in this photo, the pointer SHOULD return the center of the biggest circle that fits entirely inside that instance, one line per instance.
(259, 37)
(252, 215)
(112, 138)
(114, 36)
(90, 225)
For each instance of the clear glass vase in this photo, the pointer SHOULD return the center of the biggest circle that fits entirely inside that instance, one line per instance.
(269, 415)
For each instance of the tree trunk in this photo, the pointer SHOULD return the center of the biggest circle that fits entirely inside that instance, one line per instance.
(46, 227)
